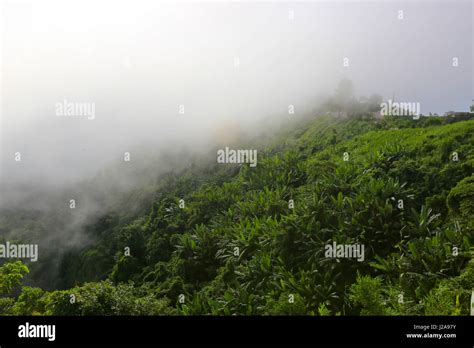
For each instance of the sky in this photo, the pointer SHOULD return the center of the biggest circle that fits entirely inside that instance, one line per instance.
(167, 75)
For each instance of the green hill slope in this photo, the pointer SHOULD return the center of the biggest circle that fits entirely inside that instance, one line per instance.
(231, 239)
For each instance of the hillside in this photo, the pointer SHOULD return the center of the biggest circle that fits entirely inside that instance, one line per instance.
(227, 239)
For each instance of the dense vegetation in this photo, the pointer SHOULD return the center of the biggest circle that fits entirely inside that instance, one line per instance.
(227, 239)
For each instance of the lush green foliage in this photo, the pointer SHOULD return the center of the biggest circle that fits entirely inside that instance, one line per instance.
(238, 247)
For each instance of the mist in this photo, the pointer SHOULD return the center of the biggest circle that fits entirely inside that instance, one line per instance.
(172, 75)
(167, 81)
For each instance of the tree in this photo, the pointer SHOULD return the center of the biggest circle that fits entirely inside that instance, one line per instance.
(344, 92)
(344, 96)
(367, 294)
(374, 102)
(11, 275)
(104, 298)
